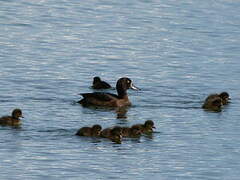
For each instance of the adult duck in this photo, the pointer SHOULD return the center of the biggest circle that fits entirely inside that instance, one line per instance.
(108, 99)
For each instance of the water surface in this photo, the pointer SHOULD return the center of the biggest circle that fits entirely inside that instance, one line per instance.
(176, 52)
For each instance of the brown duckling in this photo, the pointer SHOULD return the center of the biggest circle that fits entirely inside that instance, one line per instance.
(13, 120)
(108, 99)
(99, 84)
(213, 103)
(113, 133)
(224, 97)
(93, 131)
(147, 127)
(131, 132)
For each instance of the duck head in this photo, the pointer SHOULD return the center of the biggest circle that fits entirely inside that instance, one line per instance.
(96, 79)
(225, 97)
(123, 84)
(116, 134)
(17, 113)
(96, 129)
(149, 124)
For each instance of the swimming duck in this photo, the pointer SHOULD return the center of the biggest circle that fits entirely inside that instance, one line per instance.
(131, 132)
(94, 131)
(108, 99)
(13, 120)
(147, 127)
(224, 97)
(213, 103)
(99, 84)
(113, 133)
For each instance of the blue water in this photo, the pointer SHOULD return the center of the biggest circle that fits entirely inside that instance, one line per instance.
(177, 52)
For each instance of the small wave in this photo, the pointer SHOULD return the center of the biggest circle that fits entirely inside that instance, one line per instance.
(20, 25)
(54, 130)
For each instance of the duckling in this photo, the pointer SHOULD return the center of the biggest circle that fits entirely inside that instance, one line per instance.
(93, 131)
(13, 120)
(131, 132)
(99, 84)
(113, 133)
(224, 97)
(147, 127)
(213, 103)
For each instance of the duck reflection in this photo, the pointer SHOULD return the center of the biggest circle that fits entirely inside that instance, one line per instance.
(121, 112)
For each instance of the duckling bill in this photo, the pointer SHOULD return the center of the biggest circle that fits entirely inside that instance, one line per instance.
(108, 99)
(13, 120)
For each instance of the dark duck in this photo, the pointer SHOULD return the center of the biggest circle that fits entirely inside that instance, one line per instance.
(113, 133)
(213, 104)
(93, 131)
(131, 132)
(108, 99)
(145, 128)
(99, 84)
(224, 97)
(13, 120)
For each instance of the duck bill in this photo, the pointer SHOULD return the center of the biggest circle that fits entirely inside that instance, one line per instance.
(134, 87)
(120, 137)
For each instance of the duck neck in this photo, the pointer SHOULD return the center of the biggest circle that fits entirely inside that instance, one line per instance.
(15, 121)
(122, 93)
(15, 118)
